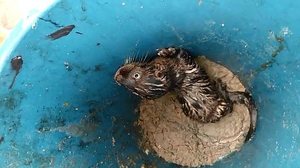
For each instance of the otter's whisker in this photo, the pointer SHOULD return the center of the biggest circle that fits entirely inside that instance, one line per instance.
(141, 58)
(126, 60)
(136, 58)
(133, 56)
(144, 57)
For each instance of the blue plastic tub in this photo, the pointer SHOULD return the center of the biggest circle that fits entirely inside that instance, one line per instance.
(65, 109)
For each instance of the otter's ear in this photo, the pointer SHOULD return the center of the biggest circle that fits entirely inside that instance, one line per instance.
(125, 70)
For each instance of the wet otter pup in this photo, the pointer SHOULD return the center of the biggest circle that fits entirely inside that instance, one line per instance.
(174, 69)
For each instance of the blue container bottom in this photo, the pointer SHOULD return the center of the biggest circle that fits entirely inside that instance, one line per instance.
(65, 109)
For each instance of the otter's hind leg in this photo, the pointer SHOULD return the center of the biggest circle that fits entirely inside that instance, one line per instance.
(240, 98)
(246, 98)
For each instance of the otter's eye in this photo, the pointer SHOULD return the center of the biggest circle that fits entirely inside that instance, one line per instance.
(137, 76)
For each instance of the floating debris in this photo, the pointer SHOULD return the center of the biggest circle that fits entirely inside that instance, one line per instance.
(66, 104)
(280, 47)
(113, 141)
(52, 22)
(68, 66)
(97, 68)
(83, 5)
(10, 101)
(61, 32)
(85, 129)
(1, 139)
(285, 31)
(46, 123)
(16, 65)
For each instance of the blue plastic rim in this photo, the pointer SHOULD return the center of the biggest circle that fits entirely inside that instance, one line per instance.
(65, 110)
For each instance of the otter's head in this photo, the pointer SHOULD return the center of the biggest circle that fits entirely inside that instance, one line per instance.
(143, 79)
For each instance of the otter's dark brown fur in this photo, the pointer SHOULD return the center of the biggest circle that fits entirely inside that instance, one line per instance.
(174, 69)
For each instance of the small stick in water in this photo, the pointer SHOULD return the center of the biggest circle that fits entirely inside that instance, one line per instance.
(16, 64)
(61, 32)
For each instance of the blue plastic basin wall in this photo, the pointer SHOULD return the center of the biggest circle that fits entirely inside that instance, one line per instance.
(65, 109)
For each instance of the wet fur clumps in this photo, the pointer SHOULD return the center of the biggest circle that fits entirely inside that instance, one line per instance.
(175, 70)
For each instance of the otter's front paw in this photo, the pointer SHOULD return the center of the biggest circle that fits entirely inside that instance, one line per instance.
(166, 52)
